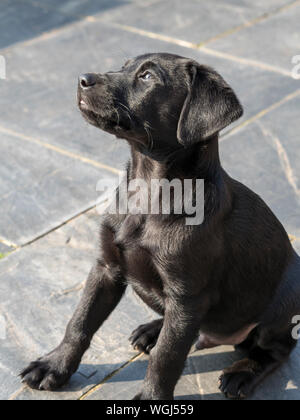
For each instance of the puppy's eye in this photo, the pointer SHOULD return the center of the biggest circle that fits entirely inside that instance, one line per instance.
(146, 75)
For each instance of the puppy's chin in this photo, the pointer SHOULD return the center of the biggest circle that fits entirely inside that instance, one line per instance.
(112, 121)
(103, 123)
(107, 123)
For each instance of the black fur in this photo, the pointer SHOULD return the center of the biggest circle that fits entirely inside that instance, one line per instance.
(233, 278)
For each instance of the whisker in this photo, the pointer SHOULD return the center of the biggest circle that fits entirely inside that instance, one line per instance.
(148, 128)
(118, 116)
(127, 110)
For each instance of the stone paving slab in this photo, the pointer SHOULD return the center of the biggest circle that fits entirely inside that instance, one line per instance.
(45, 94)
(265, 157)
(191, 20)
(278, 38)
(40, 285)
(38, 194)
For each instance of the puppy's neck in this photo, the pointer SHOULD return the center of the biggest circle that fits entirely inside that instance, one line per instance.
(200, 161)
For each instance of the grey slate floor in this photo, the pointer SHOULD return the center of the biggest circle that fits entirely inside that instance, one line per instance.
(51, 161)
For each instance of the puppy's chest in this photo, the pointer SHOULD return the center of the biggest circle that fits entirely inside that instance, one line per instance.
(139, 249)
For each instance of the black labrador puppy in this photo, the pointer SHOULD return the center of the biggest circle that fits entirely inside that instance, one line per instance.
(233, 279)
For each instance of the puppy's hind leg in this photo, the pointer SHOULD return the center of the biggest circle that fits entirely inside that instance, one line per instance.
(240, 380)
(271, 342)
(145, 336)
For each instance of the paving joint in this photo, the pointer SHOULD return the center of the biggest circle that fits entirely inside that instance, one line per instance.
(108, 377)
(265, 16)
(59, 226)
(261, 114)
(194, 46)
(8, 243)
(59, 150)
(187, 44)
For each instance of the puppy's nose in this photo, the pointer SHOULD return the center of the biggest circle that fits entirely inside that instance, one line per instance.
(87, 80)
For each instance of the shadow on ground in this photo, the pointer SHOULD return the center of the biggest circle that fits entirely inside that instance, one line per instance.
(23, 20)
(125, 383)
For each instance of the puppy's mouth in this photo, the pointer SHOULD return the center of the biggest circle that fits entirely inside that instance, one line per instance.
(103, 114)
(83, 105)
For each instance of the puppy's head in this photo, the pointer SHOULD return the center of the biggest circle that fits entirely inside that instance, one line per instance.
(159, 102)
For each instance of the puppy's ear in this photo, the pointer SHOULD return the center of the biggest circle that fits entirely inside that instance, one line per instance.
(210, 106)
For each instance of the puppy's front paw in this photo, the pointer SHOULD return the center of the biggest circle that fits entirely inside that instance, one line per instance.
(49, 372)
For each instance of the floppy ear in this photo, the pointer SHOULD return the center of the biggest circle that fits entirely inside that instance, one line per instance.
(210, 106)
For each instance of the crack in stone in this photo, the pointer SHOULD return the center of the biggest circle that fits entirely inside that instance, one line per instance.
(66, 222)
(283, 158)
(68, 291)
(87, 376)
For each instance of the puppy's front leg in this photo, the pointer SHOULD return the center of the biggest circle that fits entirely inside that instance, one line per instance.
(167, 358)
(102, 293)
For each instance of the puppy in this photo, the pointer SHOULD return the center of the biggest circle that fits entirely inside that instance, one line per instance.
(233, 279)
